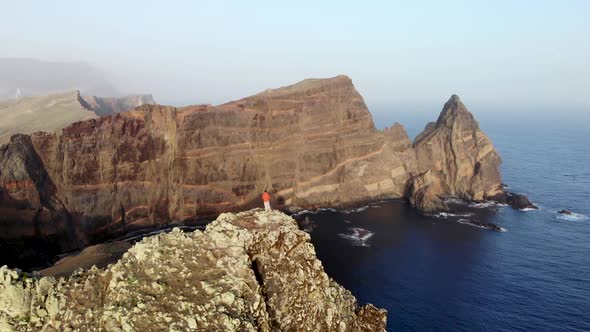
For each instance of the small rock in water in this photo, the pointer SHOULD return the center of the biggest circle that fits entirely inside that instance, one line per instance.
(520, 202)
(566, 212)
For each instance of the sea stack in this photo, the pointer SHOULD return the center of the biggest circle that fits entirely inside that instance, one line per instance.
(455, 159)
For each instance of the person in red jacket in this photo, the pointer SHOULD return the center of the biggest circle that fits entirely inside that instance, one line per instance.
(266, 200)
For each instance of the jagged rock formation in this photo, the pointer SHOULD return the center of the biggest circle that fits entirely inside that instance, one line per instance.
(311, 144)
(26, 115)
(455, 159)
(254, 271)
(108, 106)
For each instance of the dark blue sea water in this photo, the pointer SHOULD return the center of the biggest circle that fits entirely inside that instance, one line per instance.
(437, 274)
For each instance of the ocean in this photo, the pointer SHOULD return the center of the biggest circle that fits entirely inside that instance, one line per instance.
(445, 274)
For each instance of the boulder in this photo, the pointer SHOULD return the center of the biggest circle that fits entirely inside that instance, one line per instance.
(520, 202)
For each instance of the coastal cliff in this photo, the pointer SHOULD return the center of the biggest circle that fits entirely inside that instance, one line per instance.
(251, 271)
(311, 144)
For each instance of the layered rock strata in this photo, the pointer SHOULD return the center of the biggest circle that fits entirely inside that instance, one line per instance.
(455, 159)
(252, 271)
(310, 144)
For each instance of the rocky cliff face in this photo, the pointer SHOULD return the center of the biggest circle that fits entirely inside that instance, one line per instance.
(310, 144)
(455, 159)
(254, 271)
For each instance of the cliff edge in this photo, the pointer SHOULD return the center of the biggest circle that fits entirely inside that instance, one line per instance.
(251, 271)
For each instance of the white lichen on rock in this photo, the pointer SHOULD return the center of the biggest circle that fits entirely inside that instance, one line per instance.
(251, 271)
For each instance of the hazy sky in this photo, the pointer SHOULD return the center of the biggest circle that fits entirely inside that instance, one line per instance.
(413, 52)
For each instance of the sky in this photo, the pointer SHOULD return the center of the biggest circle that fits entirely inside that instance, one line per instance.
(495, 54)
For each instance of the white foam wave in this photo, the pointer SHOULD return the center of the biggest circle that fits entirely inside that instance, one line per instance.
(482, 205)
(361, 209)
(468, 222)
(572, 217)
(456, 201)
(358, 236)
(528, 209)
(302, 212)
(445, 215)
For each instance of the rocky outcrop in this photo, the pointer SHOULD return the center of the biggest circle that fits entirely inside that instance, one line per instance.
(100, 255)
(517, 201)
(108, 106)
(253, 271)
(26, 115)
(455, 159)
(310, 144)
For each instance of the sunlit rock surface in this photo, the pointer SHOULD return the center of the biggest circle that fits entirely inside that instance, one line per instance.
(311, 144)
(251, 271)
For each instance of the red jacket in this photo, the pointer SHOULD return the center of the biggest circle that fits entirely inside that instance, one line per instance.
(266, 197)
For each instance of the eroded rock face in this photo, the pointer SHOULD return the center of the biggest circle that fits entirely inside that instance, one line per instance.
(310, 144)
(455, 159)
(252, 271)
(32, 215)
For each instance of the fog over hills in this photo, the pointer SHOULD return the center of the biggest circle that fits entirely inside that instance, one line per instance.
(36, 77)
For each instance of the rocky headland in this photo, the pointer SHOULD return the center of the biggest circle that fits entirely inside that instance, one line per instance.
(54, 111)
(251, 271)
(312, 144)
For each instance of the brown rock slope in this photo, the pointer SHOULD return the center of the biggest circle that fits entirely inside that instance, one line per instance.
(310, 144)
(254, 271)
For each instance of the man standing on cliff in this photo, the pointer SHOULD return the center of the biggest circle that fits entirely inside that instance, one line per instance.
(266, 200)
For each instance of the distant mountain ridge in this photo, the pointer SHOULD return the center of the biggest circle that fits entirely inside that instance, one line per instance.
(28, 114)
(31, 77)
